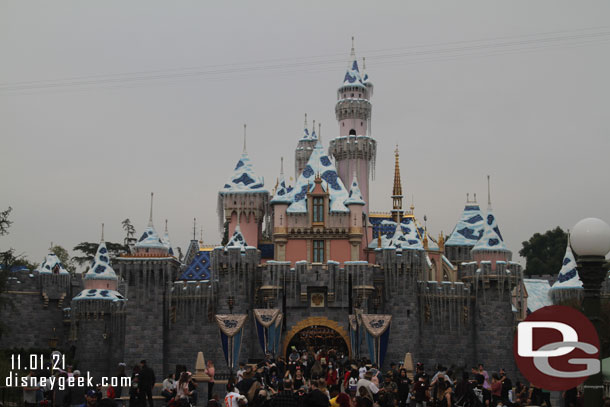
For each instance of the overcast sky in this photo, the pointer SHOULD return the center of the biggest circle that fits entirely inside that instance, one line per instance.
(103, 102)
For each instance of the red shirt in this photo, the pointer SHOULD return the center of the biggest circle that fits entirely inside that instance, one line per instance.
(496, 388)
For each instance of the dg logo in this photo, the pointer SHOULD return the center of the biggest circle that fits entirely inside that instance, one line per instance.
(557, 348)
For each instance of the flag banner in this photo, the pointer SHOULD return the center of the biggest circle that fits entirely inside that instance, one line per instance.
(377, 334)
(231, 331)
(268, 324)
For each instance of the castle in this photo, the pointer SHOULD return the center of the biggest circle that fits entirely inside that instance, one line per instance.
(303, 263)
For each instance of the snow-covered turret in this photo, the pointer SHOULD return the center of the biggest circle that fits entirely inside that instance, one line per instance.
(354, 149)
(466, 233)
(243, 200)
(304, 148)
(568, 285)
(490, 247)
(150, 243)
(52, 265)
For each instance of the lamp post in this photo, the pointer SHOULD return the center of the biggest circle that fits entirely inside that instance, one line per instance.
(590, 240)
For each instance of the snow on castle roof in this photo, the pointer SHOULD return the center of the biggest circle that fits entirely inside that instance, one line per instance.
(355, 196)
(352, 75)
(537, 294)
(237, 240)
(568, 275)
(282, 194)
(150, 239)
(491, 239)
(99, 294)
(100, 267)
(319, 163)
(405, 237)
(244, 179)
(52, 265)
(469, 228)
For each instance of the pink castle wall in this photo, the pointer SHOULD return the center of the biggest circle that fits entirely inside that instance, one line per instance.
(248, 225)
(296, 250)
(490, 256)
(100, 284)
(340, 251)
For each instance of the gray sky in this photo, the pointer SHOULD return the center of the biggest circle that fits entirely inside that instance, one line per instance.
(101, 103)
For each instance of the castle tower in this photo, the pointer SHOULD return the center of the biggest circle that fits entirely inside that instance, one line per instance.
(304, 148)
(490, 247)
(354, 149)
(397, 192)
(355, 203)
(146, 272)
(244, 200)
(466, 233)
(98, 317)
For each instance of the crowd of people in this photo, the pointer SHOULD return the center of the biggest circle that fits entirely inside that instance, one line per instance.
(309, 378)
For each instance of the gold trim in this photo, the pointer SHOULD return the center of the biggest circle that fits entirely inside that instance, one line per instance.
(24, 292)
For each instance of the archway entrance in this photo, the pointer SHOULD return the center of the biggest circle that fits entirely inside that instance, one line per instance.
(319, 333)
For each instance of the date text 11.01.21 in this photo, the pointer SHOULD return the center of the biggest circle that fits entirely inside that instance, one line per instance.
(36, 362)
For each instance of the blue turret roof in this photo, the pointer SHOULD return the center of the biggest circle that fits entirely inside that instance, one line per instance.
(491, 239)
(237, 240)
(568, 275)
(244, 180)
(282, 193)
(405, 237)
(52, 265)
(100, 267)
(469, 228)
(355, 196)
(352, 75)
(150, 239)
(319, 163)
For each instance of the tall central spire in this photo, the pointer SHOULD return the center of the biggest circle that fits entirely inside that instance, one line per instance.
(397, 190)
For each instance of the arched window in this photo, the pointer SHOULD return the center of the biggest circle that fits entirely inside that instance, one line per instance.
(352, 132)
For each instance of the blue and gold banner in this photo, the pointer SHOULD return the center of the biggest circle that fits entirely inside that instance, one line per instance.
(377, 334)
(231, 331)
(268, 324)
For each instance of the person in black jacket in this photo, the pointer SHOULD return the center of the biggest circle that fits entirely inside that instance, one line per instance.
(317, 398)
(147, 381)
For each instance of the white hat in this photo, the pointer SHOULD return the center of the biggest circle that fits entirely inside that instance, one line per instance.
(76, 372)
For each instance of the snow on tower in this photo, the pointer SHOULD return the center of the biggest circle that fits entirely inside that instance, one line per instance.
(150, 243)
(244, 200)
(304, 148)
(568, 284)
(491, 247)
(354, 149)
(466, 233)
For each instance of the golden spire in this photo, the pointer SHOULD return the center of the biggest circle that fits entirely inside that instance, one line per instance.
(441, 242)
(425, 238)
(397, 190)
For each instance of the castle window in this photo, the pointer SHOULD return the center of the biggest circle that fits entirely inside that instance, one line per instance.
(359, 95)
(318, 209)
(352, 132)
(318, 251)
(352, 95)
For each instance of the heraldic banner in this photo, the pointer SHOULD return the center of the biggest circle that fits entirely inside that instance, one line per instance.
(377, 334)
(231, 331)
(268, 324)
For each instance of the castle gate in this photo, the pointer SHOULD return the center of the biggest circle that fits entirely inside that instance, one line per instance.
(317, 331)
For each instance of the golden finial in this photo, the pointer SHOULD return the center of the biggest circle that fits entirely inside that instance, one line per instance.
(425, 240)
(379, 239)
(441, 242)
